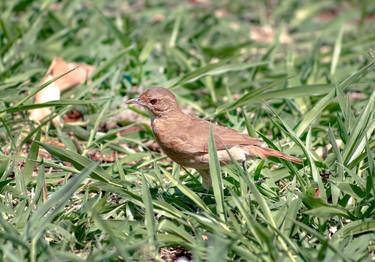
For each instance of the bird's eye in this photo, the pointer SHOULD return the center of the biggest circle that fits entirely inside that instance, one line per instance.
(153, 101)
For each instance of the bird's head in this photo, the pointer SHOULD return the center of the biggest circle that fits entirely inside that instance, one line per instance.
(159, 101)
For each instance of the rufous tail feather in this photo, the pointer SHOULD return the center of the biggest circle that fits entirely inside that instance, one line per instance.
(263, 152)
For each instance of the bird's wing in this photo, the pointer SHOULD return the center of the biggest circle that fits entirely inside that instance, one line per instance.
(197, 134)
(227, 137)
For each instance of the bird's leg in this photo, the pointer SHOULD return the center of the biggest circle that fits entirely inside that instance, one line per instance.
(259, 182)
(206, 178)
(244, 167)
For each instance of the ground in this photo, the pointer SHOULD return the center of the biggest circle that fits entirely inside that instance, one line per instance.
(89, 182)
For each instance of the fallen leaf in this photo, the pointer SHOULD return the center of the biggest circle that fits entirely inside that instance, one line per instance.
(97, 155)
(79, 75)
(73, 116)
(76, 77)
(49, 93)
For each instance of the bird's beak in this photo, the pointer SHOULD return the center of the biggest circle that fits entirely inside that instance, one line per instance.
(133, 101)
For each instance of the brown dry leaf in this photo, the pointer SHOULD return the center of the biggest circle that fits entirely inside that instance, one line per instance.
(53, 91)
(53, 142)
(97, 155)
(76, 77)
(49, 93)
(266, 34)
(44, 154)
(73, 116)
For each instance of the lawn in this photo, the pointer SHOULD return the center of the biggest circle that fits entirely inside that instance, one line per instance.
(297, 74)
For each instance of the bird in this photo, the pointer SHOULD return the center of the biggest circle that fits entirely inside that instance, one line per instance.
(184, 138)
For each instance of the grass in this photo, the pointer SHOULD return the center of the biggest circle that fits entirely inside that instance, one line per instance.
(310, 94)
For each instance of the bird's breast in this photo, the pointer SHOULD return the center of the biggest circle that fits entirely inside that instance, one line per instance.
(172, 141)
(160, 129)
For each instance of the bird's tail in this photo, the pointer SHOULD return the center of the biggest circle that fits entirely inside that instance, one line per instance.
(264, 152)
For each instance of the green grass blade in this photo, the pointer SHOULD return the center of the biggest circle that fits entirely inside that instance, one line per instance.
(355, 228)
(318, 108)
(215, 173)
(340, 162)
(39, 88)
(337, 51)
(112, 235)
(261, 94)
(322, 238)
(32, 156)
(364, 127)
(190, 194)
(45, 213)
(111, 62)
(314, 170)
(56, 103)
(78, 161)
(267, 213)
(215, 69)
(176, 28)
(96, 126)
(122, 37)
(149, 217)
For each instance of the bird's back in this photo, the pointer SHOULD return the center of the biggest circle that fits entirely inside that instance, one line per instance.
(185, 134)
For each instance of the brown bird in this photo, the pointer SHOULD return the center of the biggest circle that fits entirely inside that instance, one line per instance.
(184, 138)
